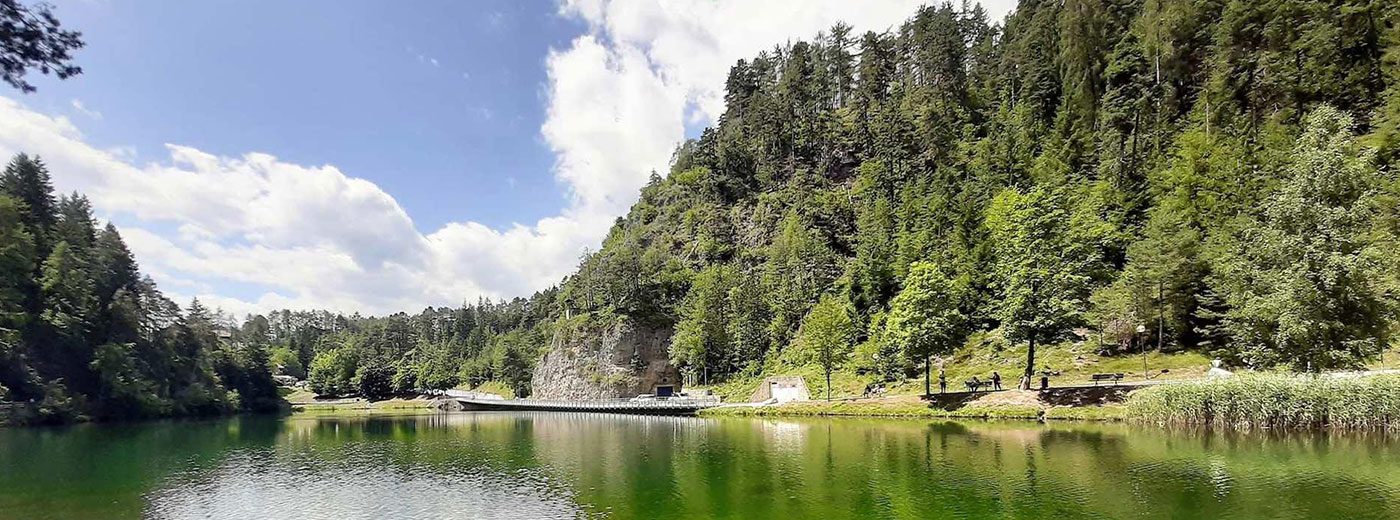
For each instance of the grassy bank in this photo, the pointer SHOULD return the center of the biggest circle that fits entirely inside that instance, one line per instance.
(983, 354)
(1273, 401)
(1262, 401)
(307, 403)
(997, 405)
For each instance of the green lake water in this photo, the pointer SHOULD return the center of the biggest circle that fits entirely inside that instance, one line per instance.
(522, 465)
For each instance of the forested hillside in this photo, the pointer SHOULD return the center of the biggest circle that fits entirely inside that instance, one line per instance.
(1218, 171)
(1208, 175)
(84, 334)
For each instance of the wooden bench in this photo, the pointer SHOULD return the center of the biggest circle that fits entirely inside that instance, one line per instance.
(1096, 378)
(974, 385)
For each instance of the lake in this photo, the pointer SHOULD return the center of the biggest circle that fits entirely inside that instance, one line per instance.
(557, 465)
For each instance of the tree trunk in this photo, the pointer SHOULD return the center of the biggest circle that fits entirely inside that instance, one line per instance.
(1030, 361)
(928, 367)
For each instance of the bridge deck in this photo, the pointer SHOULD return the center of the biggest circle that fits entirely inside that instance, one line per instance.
(674, 406)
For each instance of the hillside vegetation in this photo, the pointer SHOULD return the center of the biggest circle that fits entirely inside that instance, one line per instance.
(84, 335)
(1213, 177)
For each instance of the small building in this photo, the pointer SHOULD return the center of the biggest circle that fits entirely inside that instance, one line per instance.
(781, 389)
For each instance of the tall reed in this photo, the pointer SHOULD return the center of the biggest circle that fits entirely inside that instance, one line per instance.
(1273, 401)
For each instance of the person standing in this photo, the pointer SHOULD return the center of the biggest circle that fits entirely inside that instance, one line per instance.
(942, 381)
(996, 381)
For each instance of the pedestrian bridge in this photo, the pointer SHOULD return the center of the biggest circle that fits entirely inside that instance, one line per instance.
(470, 401)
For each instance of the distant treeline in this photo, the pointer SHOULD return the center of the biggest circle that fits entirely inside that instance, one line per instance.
(84, 335)
(435, 349)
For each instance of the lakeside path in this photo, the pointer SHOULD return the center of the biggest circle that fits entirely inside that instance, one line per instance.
(1103, 402)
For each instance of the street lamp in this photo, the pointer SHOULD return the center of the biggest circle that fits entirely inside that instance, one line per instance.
(1141, 329)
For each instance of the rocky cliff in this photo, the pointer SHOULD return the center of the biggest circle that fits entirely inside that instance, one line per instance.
(594, 358)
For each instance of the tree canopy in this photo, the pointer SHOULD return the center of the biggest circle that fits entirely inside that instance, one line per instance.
(32, 39)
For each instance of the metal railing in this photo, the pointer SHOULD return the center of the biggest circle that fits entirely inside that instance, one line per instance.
(667, 403)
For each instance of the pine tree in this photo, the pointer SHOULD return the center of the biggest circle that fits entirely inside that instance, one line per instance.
(67, 293)
(702, 342)
(27, 180)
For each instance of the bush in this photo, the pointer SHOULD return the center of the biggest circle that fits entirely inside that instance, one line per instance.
(375, 382)
(1273, 401)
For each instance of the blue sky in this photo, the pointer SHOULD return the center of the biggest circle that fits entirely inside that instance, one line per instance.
(384, 156)
(440, 105)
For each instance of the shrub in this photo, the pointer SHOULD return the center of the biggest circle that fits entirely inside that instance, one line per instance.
(374, 382)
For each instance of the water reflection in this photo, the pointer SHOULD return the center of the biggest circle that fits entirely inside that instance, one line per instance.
(551, 465)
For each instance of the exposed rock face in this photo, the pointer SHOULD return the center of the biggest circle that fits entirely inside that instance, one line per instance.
(600, 361)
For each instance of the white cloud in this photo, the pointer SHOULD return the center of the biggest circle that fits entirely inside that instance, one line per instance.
(311, 236)
(305, 237)
(78, 105)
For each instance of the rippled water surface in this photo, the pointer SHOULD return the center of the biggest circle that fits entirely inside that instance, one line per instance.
(504, 465)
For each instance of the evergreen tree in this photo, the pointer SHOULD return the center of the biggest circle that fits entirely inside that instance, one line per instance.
(27, 180)
(701, 343)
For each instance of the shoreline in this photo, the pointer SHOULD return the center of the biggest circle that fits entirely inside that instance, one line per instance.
(1250, 402)
(1104, 403)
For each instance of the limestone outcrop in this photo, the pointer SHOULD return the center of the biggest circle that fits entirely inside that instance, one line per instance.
(596, 358)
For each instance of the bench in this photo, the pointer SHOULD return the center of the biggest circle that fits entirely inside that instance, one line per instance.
(1106, 377)
(973, 384)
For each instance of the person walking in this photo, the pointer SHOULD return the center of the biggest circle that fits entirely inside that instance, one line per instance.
(996, 381)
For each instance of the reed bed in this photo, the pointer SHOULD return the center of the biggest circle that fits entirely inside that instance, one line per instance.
(1269, 401)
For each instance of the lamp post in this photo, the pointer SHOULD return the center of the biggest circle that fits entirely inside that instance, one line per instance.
(1141, 329)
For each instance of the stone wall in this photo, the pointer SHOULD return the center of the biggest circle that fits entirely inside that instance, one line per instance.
(591, 359)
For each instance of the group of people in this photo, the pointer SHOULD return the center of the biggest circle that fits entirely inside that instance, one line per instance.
(975, 383)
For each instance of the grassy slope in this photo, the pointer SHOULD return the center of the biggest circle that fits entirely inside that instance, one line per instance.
(306, 402)
(982, 355)
(1002, 405)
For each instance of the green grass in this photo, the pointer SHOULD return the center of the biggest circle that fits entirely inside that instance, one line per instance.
(297, 396)
(1075, 361)
(361, 407)
(494, 387)
(844, 383)
(1389, 359)
(983, 354)
(1273, 401)
(876, 409)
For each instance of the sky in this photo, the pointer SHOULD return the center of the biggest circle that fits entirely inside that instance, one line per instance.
(378, 157)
